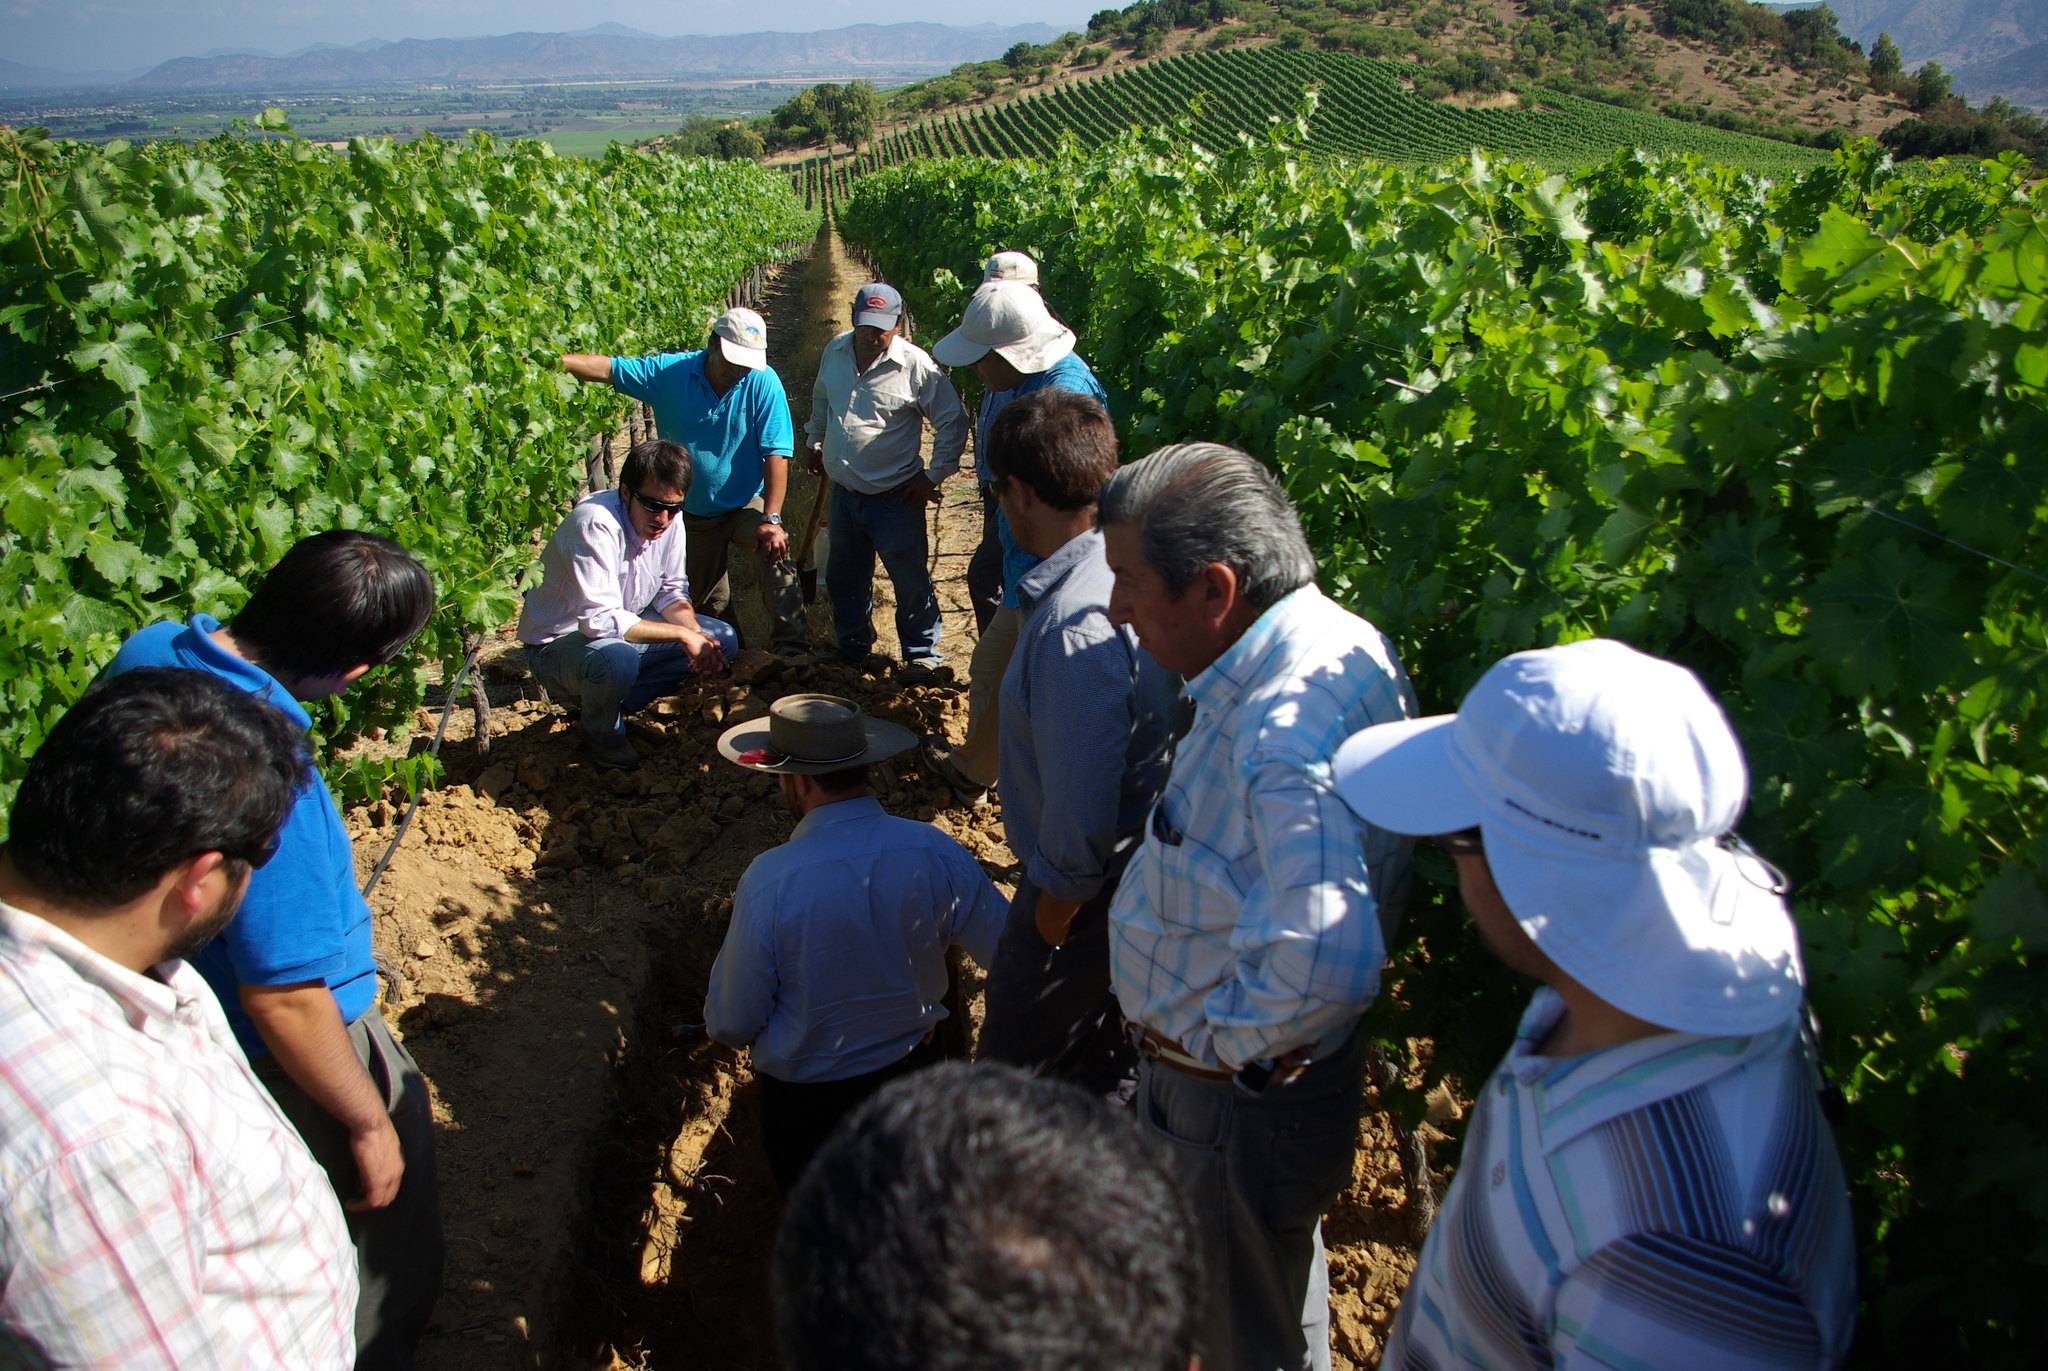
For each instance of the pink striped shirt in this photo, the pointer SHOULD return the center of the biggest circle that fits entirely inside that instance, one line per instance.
(156, 1210)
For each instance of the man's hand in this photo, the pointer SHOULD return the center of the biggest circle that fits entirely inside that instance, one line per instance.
(771, 541)
(706, 656)
(380, 1163)
(1054, 918)
(814, 458)
(919, 489)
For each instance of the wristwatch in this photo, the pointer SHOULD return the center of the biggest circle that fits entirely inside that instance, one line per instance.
(775, 519)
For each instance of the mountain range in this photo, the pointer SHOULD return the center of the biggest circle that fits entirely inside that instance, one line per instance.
(1989, 47)
(607, 52)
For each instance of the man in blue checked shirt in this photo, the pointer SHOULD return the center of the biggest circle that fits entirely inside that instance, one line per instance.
(1247, 934)
(1648, 1179)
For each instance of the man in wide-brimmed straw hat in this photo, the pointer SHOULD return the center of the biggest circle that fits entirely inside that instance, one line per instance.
(834, 964)
(1647, 1179)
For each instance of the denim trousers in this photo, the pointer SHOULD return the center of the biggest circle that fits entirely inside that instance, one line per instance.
(1258, 1172)
(610, 678)
(864, 527)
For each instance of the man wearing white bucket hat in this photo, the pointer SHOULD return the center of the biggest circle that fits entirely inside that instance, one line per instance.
(1647, 1179)
(834, 964)
(726, 405)
(1016, 347)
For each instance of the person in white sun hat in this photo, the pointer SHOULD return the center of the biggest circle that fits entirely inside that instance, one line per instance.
(1010, 266)
(1016, 347)
(726, 405)
(1648, 1178)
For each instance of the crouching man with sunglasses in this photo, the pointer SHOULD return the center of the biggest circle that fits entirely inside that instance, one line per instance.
(610, 628)
(1647, 1179)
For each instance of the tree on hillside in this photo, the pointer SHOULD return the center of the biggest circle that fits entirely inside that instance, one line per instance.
(1931, 86)
(853, 115)
(1884, 61)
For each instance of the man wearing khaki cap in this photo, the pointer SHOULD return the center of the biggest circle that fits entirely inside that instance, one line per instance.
(1010, 266)
(834, 964)
(1647, 1179)
(726, 405)
(1016, 347)
(874, 395)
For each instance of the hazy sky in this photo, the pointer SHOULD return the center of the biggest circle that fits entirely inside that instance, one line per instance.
(88, 35)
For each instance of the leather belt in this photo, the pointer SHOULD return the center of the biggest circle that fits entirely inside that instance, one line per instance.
(1159, 1048)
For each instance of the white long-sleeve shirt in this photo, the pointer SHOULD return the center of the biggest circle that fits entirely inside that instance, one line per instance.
(598, 575)
(871, 421)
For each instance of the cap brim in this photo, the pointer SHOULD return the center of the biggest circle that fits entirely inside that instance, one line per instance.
(1399, 777)
(1038, 354)
(753, 359)
(1680, 937)
(956, 350)
(877, 318)
(746, 744)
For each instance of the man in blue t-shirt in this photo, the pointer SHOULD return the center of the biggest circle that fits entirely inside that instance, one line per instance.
(295, 971)
(1016, 347)
(726, 405)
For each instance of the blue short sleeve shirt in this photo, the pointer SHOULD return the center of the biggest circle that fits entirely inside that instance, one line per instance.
(729, 436)
(302, 919)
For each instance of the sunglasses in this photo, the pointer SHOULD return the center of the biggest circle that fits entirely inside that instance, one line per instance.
(1464, 843)
(653, 506)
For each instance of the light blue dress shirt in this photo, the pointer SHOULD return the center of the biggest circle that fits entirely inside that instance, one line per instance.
(1248, 923)
(835, 961)
(1088, 724)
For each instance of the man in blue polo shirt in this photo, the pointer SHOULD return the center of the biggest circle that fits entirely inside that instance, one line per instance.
(726, 405)
(295, 971)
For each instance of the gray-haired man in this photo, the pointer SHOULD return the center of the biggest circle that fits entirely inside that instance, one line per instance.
(1246, 936)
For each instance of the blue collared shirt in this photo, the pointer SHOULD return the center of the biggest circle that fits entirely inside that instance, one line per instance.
(729, 436)
(1247, 925)
(302, 918)
(1069, 373)
(835, 961)
(1087, 730)
(1672, 1201)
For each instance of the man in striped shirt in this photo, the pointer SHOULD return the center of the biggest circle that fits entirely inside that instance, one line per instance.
(1246, 936)
(156, 1207)
(1647, 1180)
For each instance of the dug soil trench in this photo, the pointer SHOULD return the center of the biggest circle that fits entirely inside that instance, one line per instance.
(551, 929)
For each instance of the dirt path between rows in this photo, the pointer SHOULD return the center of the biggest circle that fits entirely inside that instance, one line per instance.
(552, 929)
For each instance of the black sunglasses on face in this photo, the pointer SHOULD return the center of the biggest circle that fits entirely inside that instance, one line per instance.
(1464, 843)
(658, 506)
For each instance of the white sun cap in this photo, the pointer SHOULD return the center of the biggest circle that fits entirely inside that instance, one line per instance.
(1010, 319)
(1605, 784)
(1011, 266)
(743, 338)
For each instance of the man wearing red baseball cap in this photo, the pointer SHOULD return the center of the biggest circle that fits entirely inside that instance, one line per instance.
(875, 393)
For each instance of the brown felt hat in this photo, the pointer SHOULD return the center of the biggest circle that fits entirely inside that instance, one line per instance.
(809, 735)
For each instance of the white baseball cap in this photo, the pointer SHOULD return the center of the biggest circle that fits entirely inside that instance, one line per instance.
(877, 305)
(1010, 319)
(1011, 266)
(743, 338)
(1605, 784)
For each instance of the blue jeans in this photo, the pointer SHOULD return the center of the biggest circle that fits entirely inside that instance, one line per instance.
(610, 677)
(1258, 1172)
(863, 526)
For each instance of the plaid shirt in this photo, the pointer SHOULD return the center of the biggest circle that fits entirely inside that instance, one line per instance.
(156, 1210)
(1248, 923)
